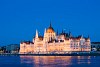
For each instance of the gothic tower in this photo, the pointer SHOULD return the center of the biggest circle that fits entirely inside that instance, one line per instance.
(50, 33)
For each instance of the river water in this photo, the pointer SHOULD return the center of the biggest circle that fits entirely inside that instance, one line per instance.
(49, 61)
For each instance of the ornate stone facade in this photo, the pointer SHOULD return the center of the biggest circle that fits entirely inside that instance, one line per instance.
(54, 43)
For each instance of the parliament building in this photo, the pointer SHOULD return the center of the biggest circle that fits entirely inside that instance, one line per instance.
(53, 42)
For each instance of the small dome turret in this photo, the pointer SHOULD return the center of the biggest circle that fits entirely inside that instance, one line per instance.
(50, 29)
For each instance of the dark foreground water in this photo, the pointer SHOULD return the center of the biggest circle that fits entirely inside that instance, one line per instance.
(49, 61)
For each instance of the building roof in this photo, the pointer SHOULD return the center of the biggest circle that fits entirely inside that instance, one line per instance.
(27, 42)
(40, 37)
(50, 29)
(95, 42)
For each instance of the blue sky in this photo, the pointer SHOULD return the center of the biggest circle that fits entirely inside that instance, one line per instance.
(20, 18)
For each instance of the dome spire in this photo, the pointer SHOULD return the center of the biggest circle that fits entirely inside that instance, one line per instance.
(50, 29)
(50, 24)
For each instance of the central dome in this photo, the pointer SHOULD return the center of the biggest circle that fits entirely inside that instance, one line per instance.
(50, 29)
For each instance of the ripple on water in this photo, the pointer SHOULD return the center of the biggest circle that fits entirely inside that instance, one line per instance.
(49, 61)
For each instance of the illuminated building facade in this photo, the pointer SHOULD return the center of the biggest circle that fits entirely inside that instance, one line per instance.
(54, 42)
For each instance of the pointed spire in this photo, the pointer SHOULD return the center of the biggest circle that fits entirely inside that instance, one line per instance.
(88, 36)
(57, 31)
(36, 34)
(70, 34)
(50, 24)
(45, 30)
(82, 36)
(62, 31)
(45, 33)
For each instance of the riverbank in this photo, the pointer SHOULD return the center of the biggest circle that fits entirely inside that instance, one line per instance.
(67, 54)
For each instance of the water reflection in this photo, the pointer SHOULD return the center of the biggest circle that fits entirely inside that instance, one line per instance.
(48, 61)
(56, 61)
(84, 59)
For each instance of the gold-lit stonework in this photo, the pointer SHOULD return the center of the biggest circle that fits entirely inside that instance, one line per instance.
(53, 42)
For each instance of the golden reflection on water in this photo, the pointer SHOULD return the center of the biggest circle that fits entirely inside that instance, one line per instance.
(84, 59)
(46, 60)
(55, 61)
